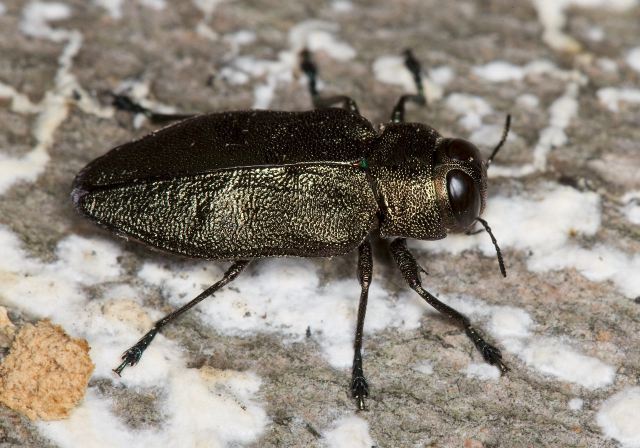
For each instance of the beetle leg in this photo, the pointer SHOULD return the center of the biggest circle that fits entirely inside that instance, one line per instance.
(125, 103)
(310, 69)
(359, 386)
(412, 64)
(133, 355)
(411, 273)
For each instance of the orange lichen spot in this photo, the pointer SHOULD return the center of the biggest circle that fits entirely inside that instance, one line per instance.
(472, 443)
(603, 336)
(46, 372)
(7, 329)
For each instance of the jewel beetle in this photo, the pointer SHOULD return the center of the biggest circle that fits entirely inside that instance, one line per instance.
(251, 184)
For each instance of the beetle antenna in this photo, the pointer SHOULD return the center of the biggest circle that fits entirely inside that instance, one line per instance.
(505, 132)
(495, 244)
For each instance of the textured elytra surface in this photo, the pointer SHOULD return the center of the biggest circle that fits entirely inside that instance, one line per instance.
(302, 393)
(301, 210)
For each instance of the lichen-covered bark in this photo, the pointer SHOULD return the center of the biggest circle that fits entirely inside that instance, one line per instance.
(566, 317)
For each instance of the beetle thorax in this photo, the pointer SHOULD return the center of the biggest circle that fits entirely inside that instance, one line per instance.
(402, 166)
(426, 185)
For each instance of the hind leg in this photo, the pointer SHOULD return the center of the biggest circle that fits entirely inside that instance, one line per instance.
(133, 354)
(124, 102)
(310, 69)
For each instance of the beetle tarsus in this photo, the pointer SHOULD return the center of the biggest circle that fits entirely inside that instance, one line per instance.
(127, 104)
(360, 391)
(491, 354)
(132, 356)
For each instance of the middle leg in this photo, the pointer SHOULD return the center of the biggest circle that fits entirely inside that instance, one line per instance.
(411, 272)
(359, 386)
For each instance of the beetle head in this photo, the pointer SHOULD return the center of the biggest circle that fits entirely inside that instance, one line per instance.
(460, 177)
(461, 183)
(461, 180)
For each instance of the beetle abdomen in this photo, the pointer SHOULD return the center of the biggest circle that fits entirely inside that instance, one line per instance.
(308, 210)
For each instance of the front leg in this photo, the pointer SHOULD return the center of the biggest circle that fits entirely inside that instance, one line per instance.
(359, 386)
(411, 272)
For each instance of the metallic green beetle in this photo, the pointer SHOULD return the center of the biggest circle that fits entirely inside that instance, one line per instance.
(253, 184)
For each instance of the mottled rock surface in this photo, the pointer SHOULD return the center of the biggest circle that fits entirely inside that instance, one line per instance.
(243, 370)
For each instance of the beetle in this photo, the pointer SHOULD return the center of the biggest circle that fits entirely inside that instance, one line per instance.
(251, 184)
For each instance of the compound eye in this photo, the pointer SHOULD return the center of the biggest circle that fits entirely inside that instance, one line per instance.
(464, 197)
(464, 151)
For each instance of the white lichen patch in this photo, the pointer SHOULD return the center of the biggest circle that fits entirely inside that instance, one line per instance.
(528, 100)
(318, 35)
(472, 109)
(612, 97)
(500, 71)
(503, 71)
(284, 296)
(238, 39)
(54, 107)
(631, 208)
(510, 322)
(607, 64)
(555, 358)
(341, 6)
(595, 34)
(44, 290)
(490, 134)
(633, 58)
(348, 432)
(552, 14)
(19, 102)
(3, 8)
(113, 7)
(207, 8)
(550, 356)
(561, 113)
(391, 69)
(618, 417)
(533, 225)
(201, 407)
(157, 5)
(482, 371)
(315, 35)
(575, 404)
(513, 328)
(425, 367)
